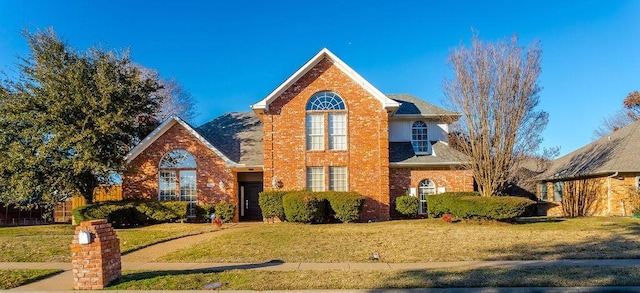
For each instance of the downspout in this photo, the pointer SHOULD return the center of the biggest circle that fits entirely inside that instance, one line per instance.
(609, 191)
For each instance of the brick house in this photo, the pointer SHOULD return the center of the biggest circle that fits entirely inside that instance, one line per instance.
(606, 170)
(324, 128)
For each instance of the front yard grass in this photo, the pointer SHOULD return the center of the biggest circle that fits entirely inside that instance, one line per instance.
(503, 276)
(423, 241)
(18, 277)
(50, 243)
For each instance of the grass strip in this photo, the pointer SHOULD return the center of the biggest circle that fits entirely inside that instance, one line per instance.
(17, 277)
(503, 276)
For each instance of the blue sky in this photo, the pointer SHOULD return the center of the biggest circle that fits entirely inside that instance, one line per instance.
(230, 54)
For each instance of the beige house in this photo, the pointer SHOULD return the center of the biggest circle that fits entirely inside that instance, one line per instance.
(601, 178)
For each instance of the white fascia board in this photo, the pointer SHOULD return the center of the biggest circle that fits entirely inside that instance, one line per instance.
(160, 130)
(325, 53)
(400, 165)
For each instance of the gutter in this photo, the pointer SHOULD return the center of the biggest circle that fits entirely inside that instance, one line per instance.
(609, 191)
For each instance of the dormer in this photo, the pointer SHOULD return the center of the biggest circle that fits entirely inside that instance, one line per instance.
(420, 123)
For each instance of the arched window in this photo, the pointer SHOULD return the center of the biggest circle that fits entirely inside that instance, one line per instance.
(325, 101)
(425, 188)
(419, 138)
(326, 108)
(177, 180)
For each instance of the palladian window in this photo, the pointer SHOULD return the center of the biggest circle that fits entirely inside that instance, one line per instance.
(326, 109)
(178, 178)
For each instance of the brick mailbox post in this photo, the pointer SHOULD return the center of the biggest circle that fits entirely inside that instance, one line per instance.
(95, 255)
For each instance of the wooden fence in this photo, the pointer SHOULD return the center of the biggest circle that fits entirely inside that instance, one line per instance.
(62, 211)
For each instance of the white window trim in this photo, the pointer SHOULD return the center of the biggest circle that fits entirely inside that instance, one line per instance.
(422, 195)
(333, 131)
(319, 171)
(313, 120)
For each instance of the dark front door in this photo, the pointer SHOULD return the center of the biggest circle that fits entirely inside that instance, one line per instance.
(249, 208)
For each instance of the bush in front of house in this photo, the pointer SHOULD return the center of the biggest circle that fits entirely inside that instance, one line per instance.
(304, 207)
(271, 204)
(475, 207)
(407, 205)
(225, 211)
(345, 206)
(128, 213)
(440, 204)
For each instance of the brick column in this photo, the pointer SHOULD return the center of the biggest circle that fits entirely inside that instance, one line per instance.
(97, 263)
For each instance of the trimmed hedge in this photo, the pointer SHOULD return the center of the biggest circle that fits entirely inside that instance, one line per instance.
(304, 207)
(271, 204)
(476, 207)
(225, 211)
(346, 206)
(322, 207)
(407, 205)
(128, 213)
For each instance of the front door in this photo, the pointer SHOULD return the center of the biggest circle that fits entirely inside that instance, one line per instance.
(249, 208)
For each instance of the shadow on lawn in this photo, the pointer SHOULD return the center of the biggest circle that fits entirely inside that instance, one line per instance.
(625, 244)
(152, 274)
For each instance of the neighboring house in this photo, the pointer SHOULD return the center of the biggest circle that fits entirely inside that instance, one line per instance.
(323, 128)
(609, 166)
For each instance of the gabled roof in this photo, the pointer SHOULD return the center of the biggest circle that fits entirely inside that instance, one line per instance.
(238, 135)
(164, 127)
(325, 54)
(411, 106)
(618, 152)
(401, 154)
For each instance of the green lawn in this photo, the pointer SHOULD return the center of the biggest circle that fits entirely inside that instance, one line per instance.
(50, 243)
(423, 241)
(556, 276)
(15, 278)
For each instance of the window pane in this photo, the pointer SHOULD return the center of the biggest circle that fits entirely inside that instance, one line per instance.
(337, 131)
(315, 132)
(419, 138)
(178, 159)
(338, 178)
(315, 178)
(323, 101)
(543, 191)
(188, 189)
(425, 188)
(557, 191)
(167, 185)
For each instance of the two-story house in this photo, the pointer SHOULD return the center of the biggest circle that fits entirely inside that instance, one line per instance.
(324, 128)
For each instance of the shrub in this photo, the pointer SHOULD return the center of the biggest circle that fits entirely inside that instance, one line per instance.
(468, 207)
(271, 204)
(345, 206)
(225, 211)
(407, 205)
(203, 212)
(133, 212)
(304, 207)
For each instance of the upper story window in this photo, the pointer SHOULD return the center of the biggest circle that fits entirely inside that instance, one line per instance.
(326, 108)
(419, 138)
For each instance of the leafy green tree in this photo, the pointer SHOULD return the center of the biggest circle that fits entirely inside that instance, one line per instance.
(69, 119)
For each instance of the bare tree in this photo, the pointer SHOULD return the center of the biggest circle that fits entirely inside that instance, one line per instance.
(176, 101)
(622, 118)
(580, 197)
(495, 88)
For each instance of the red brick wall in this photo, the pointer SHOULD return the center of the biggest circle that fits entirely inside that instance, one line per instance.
(401, 179)
(98, 263)
(141, 180)
(367, 156)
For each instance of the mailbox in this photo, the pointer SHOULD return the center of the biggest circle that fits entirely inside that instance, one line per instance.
(84, 237)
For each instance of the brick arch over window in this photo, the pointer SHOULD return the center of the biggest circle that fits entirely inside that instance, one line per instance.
(177, 178)
(326, 108)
